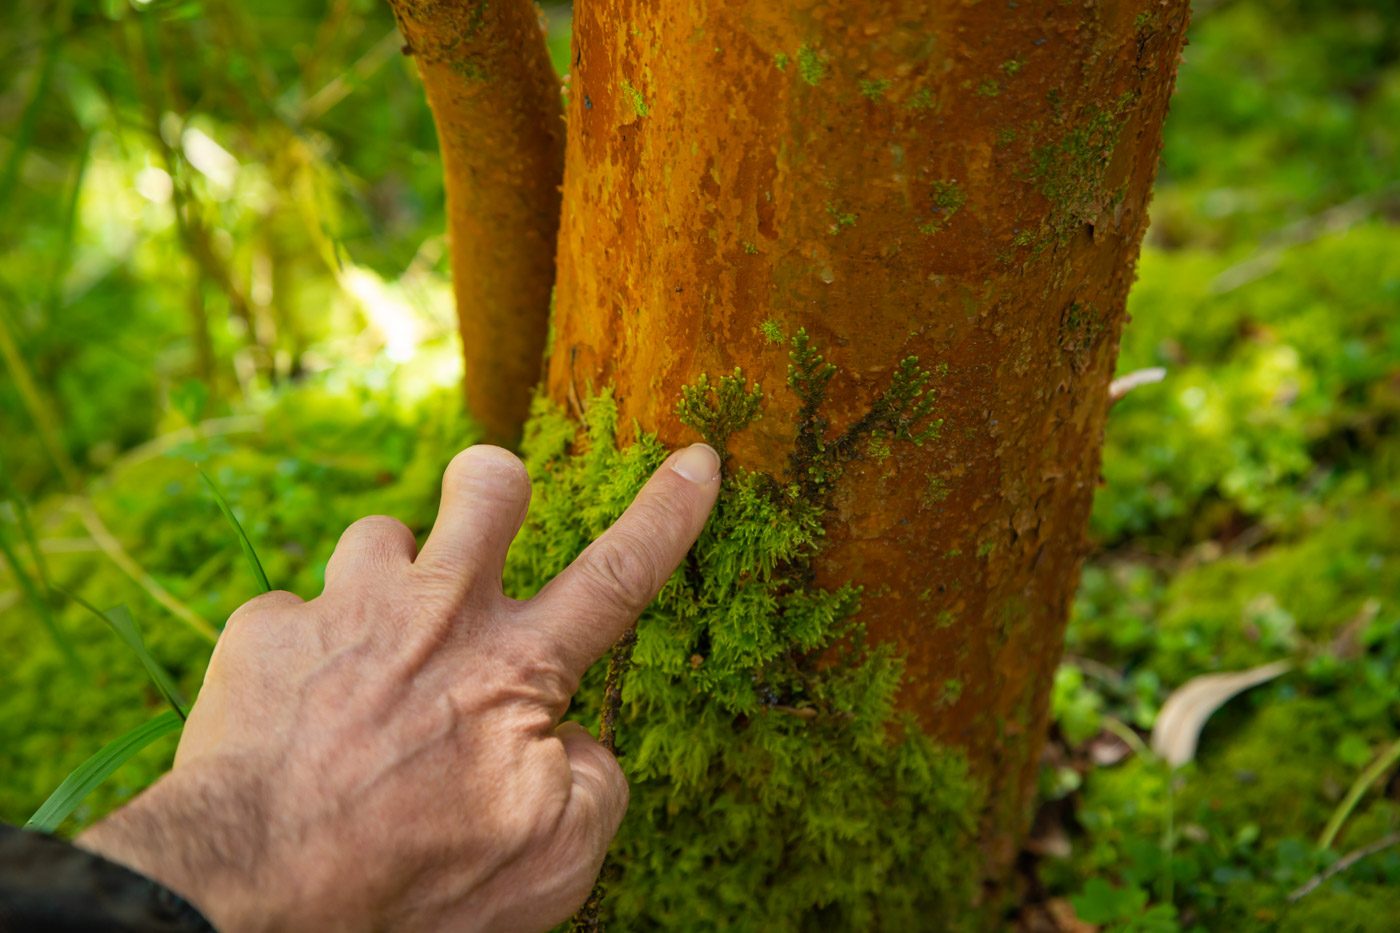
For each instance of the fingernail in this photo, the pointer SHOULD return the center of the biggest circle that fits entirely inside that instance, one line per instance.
(698, 463)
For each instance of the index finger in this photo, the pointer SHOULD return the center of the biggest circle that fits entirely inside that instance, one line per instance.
(586, 608)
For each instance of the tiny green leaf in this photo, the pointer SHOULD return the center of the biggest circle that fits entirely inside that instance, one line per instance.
(85, 778)
(251, 555)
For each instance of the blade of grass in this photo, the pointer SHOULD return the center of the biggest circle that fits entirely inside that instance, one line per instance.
(109, 545)
(37, 406)
(38, 600)
(26, 526)
(85, 778)
(1373, 773)
(122, 622)
(251, 555)
(29, 117)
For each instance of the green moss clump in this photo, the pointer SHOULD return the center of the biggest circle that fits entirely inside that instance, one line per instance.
(922, 99)
(720, 410)
(874, 88)
(947, 199)
(810, 65)
(1071, 171)
(770, 790)
(635, 100)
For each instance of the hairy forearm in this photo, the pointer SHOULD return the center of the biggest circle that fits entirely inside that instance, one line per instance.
(203, 833)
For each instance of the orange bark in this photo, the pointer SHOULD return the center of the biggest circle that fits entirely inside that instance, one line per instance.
(495, 101)
(962, 182)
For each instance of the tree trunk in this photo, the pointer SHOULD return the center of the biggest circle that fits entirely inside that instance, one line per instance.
(961, 182)
(495, 101)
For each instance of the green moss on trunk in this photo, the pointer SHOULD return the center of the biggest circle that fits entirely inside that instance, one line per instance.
(774, 786)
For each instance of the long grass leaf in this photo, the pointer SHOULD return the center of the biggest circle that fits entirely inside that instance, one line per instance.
(88, 775)
(29, 117)
(122, 622)
(251, 555)
(1373, 773)
(108, 544)
(26, 526)
(38, 600)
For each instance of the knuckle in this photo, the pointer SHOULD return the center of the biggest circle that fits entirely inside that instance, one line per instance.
(657, 518)
(262, 607)
(377, 528)
(377, 538)
(522, 678)
(621, 569)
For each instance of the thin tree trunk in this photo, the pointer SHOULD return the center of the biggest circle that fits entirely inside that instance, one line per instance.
(495, 100)
(962, 182)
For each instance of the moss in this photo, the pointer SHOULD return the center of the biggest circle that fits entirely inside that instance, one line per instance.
(903, 411)
(874, 88)
(810, 65)
(769, 792)
(1012, 67)
(1070, 172)
(1242, 778)
(877, 448)
(922, 99)
(781, 61)
(717, 411)
(947, 198)
(1081, 326)
(989, 88)
(635, 99)
(935, 491)
(1346, 907)
(840, 219)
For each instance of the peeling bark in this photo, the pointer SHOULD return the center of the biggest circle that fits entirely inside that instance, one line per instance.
(962, 182)
(495, 101)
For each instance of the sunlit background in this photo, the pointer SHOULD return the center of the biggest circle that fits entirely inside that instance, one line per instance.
(221, 243)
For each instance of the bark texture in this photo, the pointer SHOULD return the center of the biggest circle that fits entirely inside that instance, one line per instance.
(963, 182)
(495, 101)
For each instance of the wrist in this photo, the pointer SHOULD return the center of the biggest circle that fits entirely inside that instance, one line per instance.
(205, 837)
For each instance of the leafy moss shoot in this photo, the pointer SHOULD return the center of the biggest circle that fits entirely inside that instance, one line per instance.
(758, 726)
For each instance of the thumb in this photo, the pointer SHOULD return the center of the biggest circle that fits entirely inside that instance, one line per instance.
(599, 798)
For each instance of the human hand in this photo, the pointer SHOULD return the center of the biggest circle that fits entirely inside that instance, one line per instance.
(390, 754)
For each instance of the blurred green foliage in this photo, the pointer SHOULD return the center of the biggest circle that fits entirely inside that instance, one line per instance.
(220, 244)
(1251, 501)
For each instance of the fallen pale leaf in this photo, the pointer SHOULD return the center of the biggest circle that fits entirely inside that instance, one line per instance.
(1186, 711)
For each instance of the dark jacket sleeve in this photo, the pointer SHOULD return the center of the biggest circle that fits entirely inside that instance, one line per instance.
(47, 885)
